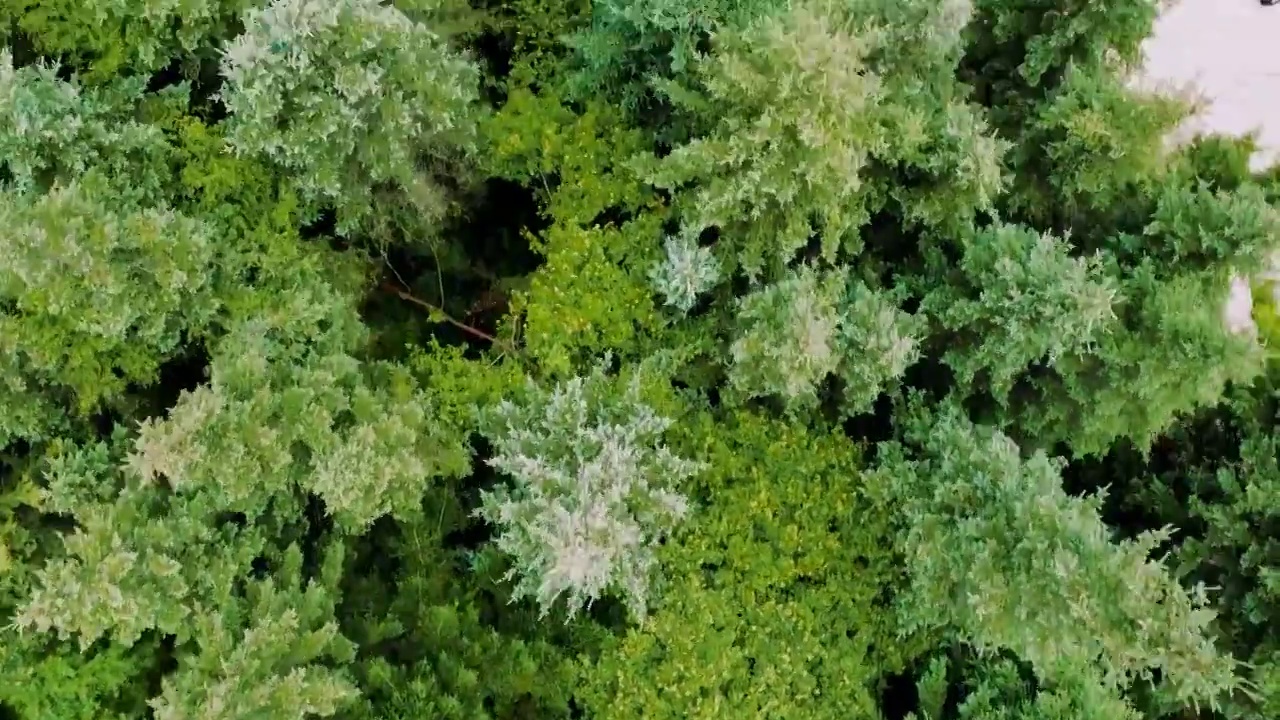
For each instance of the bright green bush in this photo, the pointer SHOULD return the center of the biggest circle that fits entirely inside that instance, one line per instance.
(110, 36)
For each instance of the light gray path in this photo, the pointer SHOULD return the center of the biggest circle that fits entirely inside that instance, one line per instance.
(1226, 52)
(1230, 51)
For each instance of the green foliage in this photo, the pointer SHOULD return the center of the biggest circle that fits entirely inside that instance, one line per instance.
(345, 96)
(1266, 313)
(1216, 475)
(24, 493)
(931, 690)
(40, 677)
(581, 302)
(804, 107)
(1195, 227)
(1087, 145)
(591, 294)
(997, 690)
(1234, 504)
(631, 47)
(109, 36)
(1023, 299)
(29, 415)
(451, 660)
(472, 669)
(576, 160)
(796, 332)
(537, 31)
(1019, 48)
(999, 553)
(1121, 390)
(100, 294)
(264, 655)
(806, 350)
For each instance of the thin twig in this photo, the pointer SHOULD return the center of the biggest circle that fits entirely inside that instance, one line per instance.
(439, 273)
(396, 272)
(409, 297)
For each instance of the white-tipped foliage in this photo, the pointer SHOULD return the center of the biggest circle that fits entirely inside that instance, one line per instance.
(55, 131)
(789, 341)
(796, 332)
(880, 341)
(802, 105)
(686, 272)
(798, 121)
(100, 290)
(345, 94)
(590, 492)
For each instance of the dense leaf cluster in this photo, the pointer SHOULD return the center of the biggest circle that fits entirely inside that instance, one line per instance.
(380, 359)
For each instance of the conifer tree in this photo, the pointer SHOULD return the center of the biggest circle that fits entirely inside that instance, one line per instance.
(594, 492)
(1000, 554)
(345, 96)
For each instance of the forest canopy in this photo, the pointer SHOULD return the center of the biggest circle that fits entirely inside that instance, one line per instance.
(622, 359)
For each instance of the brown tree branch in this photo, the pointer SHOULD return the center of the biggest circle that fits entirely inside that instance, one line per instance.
(438, 311)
